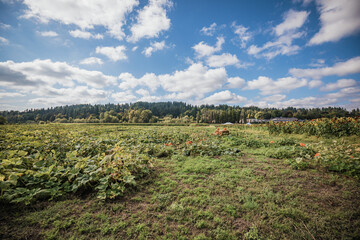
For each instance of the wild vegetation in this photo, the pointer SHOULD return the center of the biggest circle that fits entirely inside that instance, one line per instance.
(92, 181)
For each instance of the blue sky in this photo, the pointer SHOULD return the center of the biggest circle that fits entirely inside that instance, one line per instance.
(300, 53)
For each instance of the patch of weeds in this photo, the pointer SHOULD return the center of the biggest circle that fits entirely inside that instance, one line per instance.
(281, 152)
(176, 208)
(250, 203)
(230, 210)
(224, 234)
(178, 158)
(201, 224)
(252, 234)
(201, 236)
(298, 163)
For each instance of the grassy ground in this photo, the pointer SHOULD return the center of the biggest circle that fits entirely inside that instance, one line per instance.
(205, 197)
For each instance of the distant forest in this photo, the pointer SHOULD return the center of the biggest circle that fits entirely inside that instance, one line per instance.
(172, 112)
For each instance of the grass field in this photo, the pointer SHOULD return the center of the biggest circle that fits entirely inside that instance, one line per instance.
(176, 182)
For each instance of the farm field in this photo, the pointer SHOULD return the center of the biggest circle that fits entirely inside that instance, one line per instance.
(92, 181)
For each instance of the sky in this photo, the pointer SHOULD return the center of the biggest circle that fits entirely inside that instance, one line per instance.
(298, 53)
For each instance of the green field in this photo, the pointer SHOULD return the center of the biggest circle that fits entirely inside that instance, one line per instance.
(83, 181)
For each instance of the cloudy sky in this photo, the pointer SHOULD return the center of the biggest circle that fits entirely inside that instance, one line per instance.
(300, 53)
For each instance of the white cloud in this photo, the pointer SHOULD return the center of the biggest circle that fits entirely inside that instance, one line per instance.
(274, 98)
(345, 93)
(341, 97)
(242, 33)
(146, 97)
(307, 102)
(317, 63)
(223, 60)
(128, 81)
(315, 83)
(113, 53)
(203, 49)
(4, 41)
(134, 48)
(350, 66)
(341, 83)
(5, 26)
(235, 82)
(339, 19)
(286, 33)
(268, 86)
(224, 97)
(68, 96)
(84, 14)
(292, 20)
(30, 76)
(124, 97)
(91, 61)
(48, 34)
(154, 46)
(209, 31)
(197, 80)
(151, 20)
(10, 94)
(83, 34)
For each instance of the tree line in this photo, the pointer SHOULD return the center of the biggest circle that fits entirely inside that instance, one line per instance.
(172, 112)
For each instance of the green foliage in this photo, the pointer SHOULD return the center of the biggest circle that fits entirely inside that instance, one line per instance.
(48, 162)
(337, 127)
(340, 156)
(3, 120)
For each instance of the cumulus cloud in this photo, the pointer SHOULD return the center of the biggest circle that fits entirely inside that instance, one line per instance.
(128, 81)
(274, 98)
(84, 14)
(202, 49)
(350, 66)
(286, 32)
(225, 59)
(243, 34)
(224, 97)
(29, 76)
(91, 61)
(349, 92)
(48, 34)
(194, 81)
(67, 96)
(341, 83)
(146, 97)
(151, 20)
(154, 46)
(315, 83)
(83, 34)
(338, 19)
(267, 86)
(197, 80)
(235, 82)
(124, 97)
(209, 31)
(113, 53)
